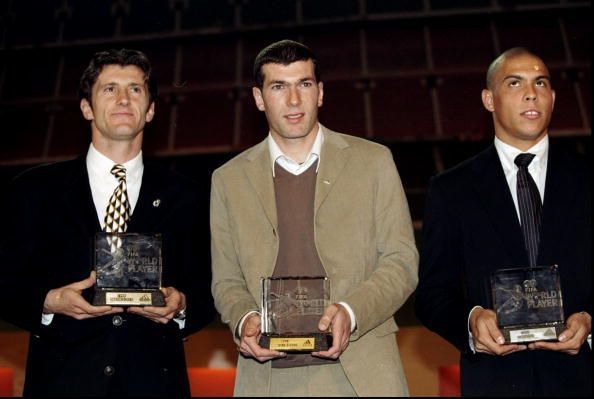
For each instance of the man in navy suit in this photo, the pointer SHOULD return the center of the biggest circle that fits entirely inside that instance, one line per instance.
(51, 216)
(472, 228)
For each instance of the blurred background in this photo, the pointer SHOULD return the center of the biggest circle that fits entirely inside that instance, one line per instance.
(405, 73)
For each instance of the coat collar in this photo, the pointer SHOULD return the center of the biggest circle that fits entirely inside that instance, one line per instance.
(560, 194)
(490, 184)
(332, 161)
(78, 199)
(157, 196)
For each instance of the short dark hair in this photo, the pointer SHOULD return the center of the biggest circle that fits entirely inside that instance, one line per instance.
(284, 52)
(507, 54)
(123, 57)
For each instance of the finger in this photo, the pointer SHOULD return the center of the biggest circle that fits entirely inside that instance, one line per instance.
(331, 353)
(335, 350)
(509, 349)
(73, 300)
(327, 317)
(552, 346)
(159, 311)
(146, 312)
(567, 334)
(99, 310)
(251, 347)
(137, 310)
(84, 284)
(86, 315)
(495, 333)
(339, 344)
(170, 293)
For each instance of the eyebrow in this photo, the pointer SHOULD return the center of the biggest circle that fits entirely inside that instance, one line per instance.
(309, 78)
(114, 83)
(520, 77)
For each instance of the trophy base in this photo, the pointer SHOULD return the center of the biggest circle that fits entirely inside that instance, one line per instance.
(128, 297)
(301, 343)
(539, 332)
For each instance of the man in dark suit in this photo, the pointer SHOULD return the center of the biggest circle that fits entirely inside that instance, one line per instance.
(472, 228)
(75, 348)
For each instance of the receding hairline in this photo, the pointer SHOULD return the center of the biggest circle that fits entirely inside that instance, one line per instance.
(507, 55)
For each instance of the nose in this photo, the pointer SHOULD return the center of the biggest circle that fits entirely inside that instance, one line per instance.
(123, 97)
(294, 96)
(530, 94)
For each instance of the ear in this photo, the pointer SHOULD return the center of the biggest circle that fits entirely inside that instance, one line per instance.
(321, 94)
(150, 113)
(553, 104)
(86, 109)
(257, 93)
(487, 96)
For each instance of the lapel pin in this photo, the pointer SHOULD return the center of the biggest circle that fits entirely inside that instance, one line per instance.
(326, 181)
(156, 203)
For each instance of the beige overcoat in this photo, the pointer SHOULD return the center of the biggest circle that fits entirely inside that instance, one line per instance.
(364, 237)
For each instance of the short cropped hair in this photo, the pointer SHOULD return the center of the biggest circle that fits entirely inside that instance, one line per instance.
(284, 52)
(508, 54)
(123, 57)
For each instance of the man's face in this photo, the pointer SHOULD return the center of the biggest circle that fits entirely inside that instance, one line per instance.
(521, 101)
(119, 104)
(290, 97)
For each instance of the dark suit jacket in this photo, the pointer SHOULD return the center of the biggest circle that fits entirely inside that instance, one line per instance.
(49, 243)
(471, 229)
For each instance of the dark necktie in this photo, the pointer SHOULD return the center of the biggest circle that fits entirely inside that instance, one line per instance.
(118, 208)
(530, 206)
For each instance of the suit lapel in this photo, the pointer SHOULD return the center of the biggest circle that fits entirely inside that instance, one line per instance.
(560, 192)
(78, 200)
(259, 173)
(332, 161)
(493, 191)
(154, 199)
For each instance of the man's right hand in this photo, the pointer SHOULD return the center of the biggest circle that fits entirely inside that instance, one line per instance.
(250, 335)
(68, 300)
(486, 335)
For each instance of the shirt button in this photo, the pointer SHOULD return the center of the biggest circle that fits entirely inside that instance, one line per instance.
(117, 321)
(109, 370)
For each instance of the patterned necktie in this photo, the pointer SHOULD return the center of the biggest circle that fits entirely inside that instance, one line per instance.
(530, 206)
(118, 208)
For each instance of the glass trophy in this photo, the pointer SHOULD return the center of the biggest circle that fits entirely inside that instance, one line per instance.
(128, 267)
(291, 310)
(528, 303)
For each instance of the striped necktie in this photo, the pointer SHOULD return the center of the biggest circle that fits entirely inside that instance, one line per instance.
(530, 206)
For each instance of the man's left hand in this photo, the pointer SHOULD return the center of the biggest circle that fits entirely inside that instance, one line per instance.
(571, 340)
(175, 301)
(337, 317)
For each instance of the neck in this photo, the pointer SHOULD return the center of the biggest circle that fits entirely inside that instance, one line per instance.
(118, 151)
(522, 145)
(296, 148)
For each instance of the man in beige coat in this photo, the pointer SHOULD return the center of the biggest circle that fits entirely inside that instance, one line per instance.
(356, 218)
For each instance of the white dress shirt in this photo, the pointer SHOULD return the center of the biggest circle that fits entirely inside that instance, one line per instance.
(290, 165)
(103, 183)
(537, 168)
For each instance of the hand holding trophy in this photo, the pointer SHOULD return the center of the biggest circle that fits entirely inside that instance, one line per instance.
(291, 311)
(129, 268)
